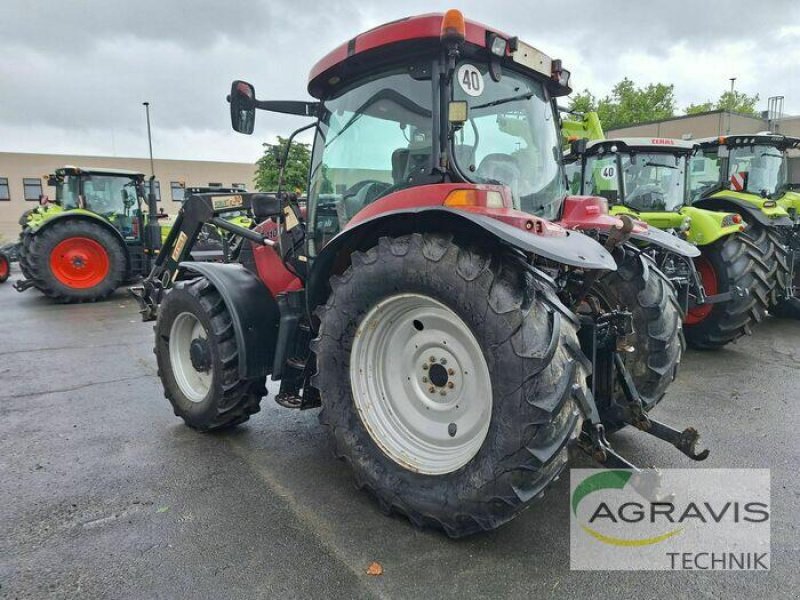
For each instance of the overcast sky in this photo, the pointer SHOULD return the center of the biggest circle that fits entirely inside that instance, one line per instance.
(74, 73)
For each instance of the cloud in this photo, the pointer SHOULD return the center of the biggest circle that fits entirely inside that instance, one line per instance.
(74, 74)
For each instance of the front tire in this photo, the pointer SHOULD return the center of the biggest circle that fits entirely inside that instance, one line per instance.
(198, 360)
(471, 458)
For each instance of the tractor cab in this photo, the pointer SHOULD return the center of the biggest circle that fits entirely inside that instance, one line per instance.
(115, 194)
(642, 174)
(472, 107)
(748, 164)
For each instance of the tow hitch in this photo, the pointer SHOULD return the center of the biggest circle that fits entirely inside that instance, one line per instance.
(604, 339)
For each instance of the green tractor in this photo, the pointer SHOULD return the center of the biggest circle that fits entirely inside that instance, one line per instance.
(92, 239)
(748, 174)
(727, 287)
(581, 126)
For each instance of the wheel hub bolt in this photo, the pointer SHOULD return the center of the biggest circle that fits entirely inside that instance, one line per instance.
(432, 359)
(443, 393)
(451, 371)
(451, 385)
(425, 367)
(431, 389)
(424, 380)
(443, 361)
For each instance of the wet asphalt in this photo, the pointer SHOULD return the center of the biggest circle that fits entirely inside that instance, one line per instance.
(105, 494)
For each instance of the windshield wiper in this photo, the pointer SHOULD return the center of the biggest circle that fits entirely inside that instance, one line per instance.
(525, 96)
(652, 164)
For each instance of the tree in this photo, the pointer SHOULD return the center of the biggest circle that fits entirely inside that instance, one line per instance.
(733, 101)
(697, 109)
(297, 166)
(583, 102)
(628, 104)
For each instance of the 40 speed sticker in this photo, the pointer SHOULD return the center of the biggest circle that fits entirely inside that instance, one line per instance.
(470, 79)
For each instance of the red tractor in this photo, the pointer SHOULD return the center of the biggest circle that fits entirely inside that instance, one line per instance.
(436, 300)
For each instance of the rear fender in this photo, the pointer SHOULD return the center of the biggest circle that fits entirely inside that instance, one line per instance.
(735, 202)
(591, 213)
(568, 247)
(254, 312)
(706, 226)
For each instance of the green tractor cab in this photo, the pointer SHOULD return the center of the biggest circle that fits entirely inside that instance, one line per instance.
(647, 179)
(748, 174)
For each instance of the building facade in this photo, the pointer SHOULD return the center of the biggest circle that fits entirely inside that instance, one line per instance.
(22, 181)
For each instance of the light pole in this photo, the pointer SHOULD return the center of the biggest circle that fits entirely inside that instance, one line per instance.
(730, 104)
(150, 139)
(153, 231)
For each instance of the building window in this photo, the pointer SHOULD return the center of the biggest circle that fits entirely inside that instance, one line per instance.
(147, 189)
(239, 186)
(177, 191)
(214, 184)
(4, 193)
(32, 188)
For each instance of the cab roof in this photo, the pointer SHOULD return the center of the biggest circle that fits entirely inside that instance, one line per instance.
(654, 144)
(767, 138)
(73, 170)
(402, 37)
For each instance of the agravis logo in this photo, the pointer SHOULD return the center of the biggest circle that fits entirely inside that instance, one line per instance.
(680, 519)
(611, 480)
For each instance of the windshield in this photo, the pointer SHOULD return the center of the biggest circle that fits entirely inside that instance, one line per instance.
(652, 181)
(373, 138)
(510, 138)
(763, 168)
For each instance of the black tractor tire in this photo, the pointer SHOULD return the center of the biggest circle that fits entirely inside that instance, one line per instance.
(658, 343)
(774, 255)
(5, 267)
(230, 400)
(24, 253)
(537, 372)
(42, 244)
(738, 261)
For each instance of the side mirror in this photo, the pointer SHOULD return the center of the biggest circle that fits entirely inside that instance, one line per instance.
(265, 206)
(243, 106)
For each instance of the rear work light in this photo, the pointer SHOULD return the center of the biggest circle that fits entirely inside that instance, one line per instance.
(497, 45)
(454, 29)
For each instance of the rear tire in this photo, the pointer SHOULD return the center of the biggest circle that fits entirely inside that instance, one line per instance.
(734, 261)
(201, 378)
(75, 261)
(528, 344)
(641, 288)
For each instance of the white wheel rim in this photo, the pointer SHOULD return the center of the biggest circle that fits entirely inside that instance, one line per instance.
(193, 383)
(403, 351)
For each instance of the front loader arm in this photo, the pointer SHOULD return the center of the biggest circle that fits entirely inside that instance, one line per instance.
(197, 211)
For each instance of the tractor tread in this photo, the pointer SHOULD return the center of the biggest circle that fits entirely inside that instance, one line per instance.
(233, 399)
(742, 260)
(518, 318)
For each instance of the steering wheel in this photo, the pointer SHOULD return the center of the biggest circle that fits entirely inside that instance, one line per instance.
(501, 169)
(647, 197)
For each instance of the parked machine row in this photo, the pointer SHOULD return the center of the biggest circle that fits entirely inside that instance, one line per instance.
(461, 317)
